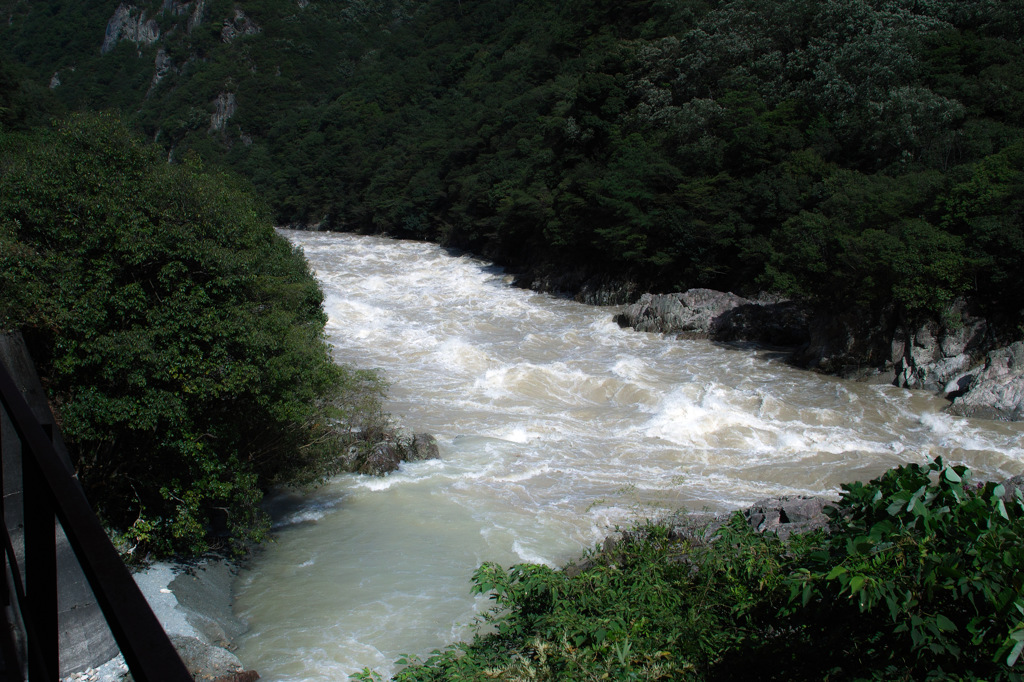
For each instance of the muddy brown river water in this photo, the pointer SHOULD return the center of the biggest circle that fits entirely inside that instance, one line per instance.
(554, 426)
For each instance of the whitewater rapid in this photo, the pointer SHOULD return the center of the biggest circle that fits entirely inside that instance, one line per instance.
(554, 426)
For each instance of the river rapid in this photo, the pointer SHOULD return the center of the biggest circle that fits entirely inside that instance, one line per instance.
(554, 426)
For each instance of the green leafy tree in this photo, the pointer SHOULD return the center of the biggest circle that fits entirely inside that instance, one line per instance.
(181, 338)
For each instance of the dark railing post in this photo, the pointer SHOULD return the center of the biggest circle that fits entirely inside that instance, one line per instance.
(51, 494)
(41, 570)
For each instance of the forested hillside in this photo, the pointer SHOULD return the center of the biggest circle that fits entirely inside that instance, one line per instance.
(854, 151)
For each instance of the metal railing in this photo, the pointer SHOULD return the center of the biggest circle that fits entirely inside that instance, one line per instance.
(51, 493)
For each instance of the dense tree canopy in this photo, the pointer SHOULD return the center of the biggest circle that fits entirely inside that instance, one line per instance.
(861, 151)
(181, 337)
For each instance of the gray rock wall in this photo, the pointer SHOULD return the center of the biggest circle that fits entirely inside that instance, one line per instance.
(996, 391)
(943, 357)
(129, 23)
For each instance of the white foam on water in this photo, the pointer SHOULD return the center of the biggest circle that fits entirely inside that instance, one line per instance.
(555, 426)
(530, 556)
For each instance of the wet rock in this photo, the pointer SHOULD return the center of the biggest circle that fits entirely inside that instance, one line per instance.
(720, 316)
(1011, 486)
(205, 661)
(787, 515)
(696, 527)
(243, 676)
(423, 446)
(997, 391)
(382, 459)
(203, 594)
(690, 313)
(770, 323)
(935, 354)
(386, 455)
(579, 285)
(853, 344)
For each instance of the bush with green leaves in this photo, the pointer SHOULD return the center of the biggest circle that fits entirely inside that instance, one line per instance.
(916, 578)
(180, 338)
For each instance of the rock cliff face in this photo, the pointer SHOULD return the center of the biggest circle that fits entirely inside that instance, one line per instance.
(129, 23)
(162, 65)
(933, 355)
(224, 107)
(942, 357)
(239, 25)
(996, 390)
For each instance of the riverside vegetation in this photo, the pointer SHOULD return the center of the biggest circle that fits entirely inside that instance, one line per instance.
(181, 340)
(914, 578)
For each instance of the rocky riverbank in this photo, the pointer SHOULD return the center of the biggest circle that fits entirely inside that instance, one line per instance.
(963, 357)
(783, 516)
(193, 602)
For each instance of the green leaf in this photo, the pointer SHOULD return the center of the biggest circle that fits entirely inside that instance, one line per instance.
(951, 475)
(835, 572)
(1011, 659)
(944, 623)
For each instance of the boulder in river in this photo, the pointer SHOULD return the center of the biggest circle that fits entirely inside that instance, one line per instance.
(719, 316)
(386, 455)
(690, 313)
(423, 446)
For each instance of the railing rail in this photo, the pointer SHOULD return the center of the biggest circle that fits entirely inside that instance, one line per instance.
(51, 492)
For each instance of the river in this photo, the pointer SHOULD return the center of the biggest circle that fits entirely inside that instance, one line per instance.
(554, 426)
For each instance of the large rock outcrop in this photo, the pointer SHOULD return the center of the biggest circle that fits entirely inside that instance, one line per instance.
(224, 107)
(129, 23)
(720, 316)
(162, 65)
(690, 314)
(851, 343)
(195, 10)
(996, 391)
(941, 356)
(935, 353)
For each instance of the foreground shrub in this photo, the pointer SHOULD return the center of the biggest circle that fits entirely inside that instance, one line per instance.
(916, 578)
